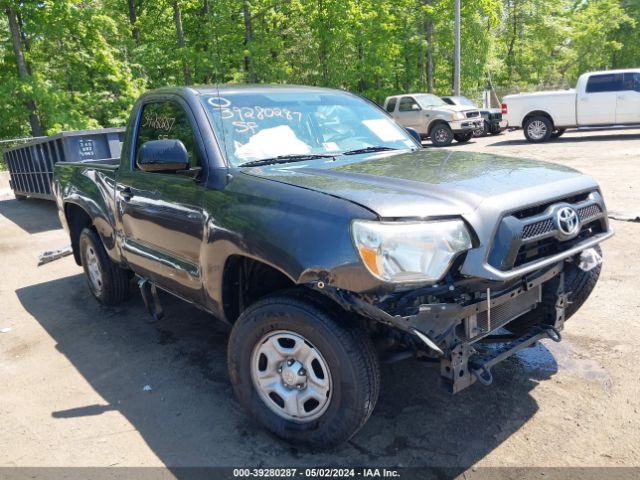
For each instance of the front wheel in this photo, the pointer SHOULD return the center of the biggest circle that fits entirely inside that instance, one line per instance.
(538, 129)
(463, 137)
(441, 135)
(301, 372)
(107, 281)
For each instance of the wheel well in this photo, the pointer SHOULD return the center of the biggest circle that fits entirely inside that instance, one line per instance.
(245, 281)
(435, 123)
(77, 219)
(536, 113)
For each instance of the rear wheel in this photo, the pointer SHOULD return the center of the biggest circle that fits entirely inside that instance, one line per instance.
(538, 129)
(107, 281)
(578, 285)
(302, 373)
(463, 137)
(441, 135)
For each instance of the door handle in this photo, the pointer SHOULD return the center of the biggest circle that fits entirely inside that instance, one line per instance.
(126, 194)
(621, 97)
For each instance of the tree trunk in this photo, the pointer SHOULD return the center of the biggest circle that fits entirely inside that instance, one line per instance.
(177, 16)
(23, 70)
(248, 38)
(133, 19)
(513, 12)
(323, 44)
(430, 55)
(204, 40)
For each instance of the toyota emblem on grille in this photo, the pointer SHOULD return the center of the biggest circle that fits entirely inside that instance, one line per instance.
(567, 221)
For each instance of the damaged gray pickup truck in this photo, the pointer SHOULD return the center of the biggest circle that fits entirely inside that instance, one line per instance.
(330, 240)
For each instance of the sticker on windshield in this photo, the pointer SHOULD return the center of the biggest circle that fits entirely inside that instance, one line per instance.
(385, 130)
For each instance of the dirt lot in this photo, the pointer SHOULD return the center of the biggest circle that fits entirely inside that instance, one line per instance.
(73, 374)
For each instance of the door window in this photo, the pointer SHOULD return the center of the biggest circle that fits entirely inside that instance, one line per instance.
(391, 105)
(407, 104)
(632, 81)
(610, 82)
(167, 120)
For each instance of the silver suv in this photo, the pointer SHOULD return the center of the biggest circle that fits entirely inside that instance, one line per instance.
(432, 118)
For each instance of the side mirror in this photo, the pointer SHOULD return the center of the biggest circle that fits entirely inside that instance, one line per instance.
(414, 134)
(415, 107)
(162, 156)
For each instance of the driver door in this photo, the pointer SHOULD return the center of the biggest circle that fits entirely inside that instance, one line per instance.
(410, 114)
(161, 213)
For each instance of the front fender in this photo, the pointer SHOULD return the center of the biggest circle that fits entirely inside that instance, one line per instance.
(302, 233)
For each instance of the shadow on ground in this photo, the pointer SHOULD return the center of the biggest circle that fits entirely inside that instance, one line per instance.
(608, 137)
(32, 215)
(188, 416)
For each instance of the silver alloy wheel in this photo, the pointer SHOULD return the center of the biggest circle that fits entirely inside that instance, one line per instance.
(93, 268)
(291, 376)
(537, 130)
(441, 134)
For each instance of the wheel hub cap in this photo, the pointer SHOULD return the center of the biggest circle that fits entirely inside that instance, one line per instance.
(291, 376)
(537, 129)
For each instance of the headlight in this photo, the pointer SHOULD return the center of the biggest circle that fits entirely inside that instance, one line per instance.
(401, 252)
(459, 116)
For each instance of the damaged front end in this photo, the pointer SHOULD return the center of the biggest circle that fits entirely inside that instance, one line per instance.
(453, 323)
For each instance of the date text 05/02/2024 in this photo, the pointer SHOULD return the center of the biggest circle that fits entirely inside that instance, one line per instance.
(315, 473)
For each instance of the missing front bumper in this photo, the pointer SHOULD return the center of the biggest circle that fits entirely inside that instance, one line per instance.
(450, 331)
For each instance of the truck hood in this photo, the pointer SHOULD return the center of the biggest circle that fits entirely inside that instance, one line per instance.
(428, 183)
(451, 108)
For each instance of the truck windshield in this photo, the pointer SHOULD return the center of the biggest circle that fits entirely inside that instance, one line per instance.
(271, 125)
(427, 100)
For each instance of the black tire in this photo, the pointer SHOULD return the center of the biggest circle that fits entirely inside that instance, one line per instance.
(538, 129)
(347, 350)
(441, 135)
(482, 131)
(113, 287)
(558, 133)
(463, 137)
(578, 285)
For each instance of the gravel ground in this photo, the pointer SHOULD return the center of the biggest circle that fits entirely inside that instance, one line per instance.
(73, 373)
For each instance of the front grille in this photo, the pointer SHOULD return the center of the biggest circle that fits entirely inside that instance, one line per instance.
(545, 226)
(537, 229)
(585, 213)
(531, 234)
(473, 114)
(538, 209)
(530, 252)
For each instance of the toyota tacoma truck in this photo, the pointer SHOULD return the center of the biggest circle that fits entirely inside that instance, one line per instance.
(433, 118)
(600, 100)
(320, 230)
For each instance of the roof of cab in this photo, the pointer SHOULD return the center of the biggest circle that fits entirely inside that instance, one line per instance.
(214, 89)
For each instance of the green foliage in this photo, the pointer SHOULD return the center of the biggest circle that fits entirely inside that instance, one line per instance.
(87, 66)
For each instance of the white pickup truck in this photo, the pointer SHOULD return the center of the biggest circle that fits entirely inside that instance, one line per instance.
(600, 100)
